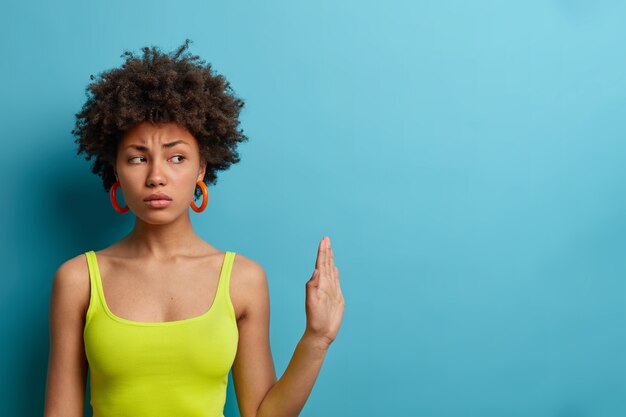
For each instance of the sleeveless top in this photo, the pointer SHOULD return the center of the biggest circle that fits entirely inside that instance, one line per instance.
(160, 369)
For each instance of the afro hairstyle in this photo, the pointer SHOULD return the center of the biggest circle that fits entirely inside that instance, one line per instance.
(158, 87)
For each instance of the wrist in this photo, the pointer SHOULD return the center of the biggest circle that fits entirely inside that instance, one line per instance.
(316, 342)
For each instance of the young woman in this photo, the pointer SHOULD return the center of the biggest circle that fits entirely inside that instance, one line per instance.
(161, 316)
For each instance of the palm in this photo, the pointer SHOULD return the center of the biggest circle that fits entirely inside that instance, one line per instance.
(324, 301)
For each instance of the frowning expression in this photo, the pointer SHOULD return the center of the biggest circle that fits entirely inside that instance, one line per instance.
(161, 159)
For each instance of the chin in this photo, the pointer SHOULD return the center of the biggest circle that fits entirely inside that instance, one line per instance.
(160, 216)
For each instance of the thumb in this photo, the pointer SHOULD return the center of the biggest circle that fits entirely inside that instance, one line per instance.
(314, 278)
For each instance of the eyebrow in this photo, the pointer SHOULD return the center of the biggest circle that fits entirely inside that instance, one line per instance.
(165, 145)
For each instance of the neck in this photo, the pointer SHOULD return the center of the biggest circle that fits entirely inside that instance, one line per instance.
(161, 241)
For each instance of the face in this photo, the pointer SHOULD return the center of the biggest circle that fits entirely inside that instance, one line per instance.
(163, 158)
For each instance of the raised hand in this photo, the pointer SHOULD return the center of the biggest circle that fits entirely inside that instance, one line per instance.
(324, 301)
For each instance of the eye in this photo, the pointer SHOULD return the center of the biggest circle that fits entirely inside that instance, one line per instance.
(179, 156)
(136, 157)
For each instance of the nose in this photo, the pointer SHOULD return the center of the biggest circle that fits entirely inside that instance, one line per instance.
(155, 174)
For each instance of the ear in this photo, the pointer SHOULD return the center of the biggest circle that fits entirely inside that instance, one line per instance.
(201, 170)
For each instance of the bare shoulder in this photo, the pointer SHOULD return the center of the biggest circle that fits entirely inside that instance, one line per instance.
(67, 364)
(248, 283)
(247, 268)
(73, 270)
(71, 282)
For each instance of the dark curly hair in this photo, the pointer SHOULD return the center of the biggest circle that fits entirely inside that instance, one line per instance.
(176, 87)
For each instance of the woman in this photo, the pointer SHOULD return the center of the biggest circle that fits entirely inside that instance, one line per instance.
(161, 316)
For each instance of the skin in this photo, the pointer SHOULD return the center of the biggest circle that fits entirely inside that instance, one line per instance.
(156, 272)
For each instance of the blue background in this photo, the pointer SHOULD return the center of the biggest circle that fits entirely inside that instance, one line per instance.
(467, 160)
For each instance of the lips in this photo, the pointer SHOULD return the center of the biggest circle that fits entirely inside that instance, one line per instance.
(158, 196)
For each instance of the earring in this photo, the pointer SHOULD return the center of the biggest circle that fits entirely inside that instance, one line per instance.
(116, 205)
(205, 198)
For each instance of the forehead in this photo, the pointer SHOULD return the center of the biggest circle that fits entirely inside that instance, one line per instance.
(147, 133)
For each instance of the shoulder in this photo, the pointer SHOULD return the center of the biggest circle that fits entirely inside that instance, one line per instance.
(247, 268)
(70, 283)
(72, 271)
(249, 284)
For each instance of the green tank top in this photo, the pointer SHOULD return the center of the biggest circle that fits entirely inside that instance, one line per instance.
(160, 369)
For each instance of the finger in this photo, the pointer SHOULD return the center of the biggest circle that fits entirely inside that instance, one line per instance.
(320, 255)
(330, 258)
(327, 254)
(310, 285)
(336, 281)
(324, 256)
(315, 278)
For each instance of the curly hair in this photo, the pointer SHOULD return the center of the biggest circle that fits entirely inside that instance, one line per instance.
(176, 87)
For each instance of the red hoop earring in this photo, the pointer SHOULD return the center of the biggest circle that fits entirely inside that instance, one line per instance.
(113, 193)
(205, 198)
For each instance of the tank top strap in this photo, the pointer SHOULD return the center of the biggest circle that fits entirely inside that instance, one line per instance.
(94, 285)
(224, 282)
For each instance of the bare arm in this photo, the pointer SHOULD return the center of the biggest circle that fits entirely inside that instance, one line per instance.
(67, 364)
(253, 368)
(288, 396)
(258, 392)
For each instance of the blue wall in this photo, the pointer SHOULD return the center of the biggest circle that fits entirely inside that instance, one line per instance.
(467, 159)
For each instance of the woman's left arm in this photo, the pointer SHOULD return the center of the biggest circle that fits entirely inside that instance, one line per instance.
(258, 392)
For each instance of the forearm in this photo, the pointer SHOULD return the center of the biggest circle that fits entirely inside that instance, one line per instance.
(288, 395)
